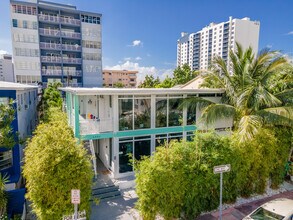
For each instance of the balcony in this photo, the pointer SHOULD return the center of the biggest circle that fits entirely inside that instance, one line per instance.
(49, 18)
(70, 34)
(72, 60)
(71, 21)
(51, 59)
(69, 47)
(72, 72)
(51, 72)
(95, 126)
(49, 32)
(54, 46)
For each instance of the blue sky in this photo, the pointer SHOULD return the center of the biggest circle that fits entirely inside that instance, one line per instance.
(142, 34)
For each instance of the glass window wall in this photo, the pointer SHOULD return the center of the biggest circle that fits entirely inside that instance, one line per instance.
(175, 113)
(125, 114)
(142, 113)
(161, 112)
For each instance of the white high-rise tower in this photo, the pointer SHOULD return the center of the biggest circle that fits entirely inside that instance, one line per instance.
(198, 49)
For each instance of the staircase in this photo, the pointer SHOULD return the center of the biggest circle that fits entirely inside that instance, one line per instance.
(106, 193)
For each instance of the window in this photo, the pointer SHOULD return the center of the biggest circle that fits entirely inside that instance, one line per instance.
(24, 24)
(125, 114)
(14, 22)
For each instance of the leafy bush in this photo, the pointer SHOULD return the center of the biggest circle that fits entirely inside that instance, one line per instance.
(178, 181)
(54, 164)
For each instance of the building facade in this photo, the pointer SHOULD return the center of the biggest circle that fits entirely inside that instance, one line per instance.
(56, 42)
(126, 77)
(25, 105)
(6, 68)
(119, 122)
(198, 49)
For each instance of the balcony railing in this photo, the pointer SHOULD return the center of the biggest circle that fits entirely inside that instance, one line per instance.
(70, 34)
(49, 32)
(71, 47)
(70, 21)
(73, 84)
(57, 19)
(72, 60)
(95, 126)
(51, 59)
(49, 18)
(44, 45)
(52, 72)
(72, 72)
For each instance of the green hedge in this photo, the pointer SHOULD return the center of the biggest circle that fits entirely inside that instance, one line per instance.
(178, 181)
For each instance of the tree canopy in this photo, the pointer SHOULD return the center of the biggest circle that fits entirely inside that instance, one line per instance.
(248, 98)
(181, 75)
(7, 115)
(55, 163)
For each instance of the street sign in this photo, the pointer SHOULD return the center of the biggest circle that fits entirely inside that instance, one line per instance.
(222, 168)
(75, 196)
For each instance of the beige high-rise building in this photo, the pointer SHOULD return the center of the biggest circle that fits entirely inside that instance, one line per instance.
(126, 77)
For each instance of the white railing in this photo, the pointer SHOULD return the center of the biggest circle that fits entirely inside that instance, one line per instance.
(44, 45)
(72, 60)
(72, 72)
(95, 126)
(49, 32)
(70, 21)
(51, 59)
(70, 34)
(52, 72)
(50, 18)
(71, 47)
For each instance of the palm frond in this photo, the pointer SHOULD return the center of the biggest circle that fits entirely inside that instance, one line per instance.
(249, 125)
(214, 112)
(277, 116)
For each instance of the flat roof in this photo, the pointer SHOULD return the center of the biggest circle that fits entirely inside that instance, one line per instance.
(15, 86)
(120, 71)
(136, 91)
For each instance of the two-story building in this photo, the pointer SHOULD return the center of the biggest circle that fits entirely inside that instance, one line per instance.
(120, 122)
(25, 99)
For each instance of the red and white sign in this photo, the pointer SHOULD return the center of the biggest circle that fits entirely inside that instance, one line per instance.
(75, 196)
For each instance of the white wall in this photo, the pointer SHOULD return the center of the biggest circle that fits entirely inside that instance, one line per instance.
(104, 152)
(6, 71)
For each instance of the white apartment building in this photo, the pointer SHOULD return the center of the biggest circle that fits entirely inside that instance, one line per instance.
(56, 42)
(198, 49)
(6, 68)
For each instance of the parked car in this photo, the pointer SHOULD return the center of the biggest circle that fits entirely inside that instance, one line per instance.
(277, 209)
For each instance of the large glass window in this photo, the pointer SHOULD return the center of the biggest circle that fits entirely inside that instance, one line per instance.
(125, 114)
(142, 148)
(132, 147)
(142, 113)
(175, 113)
(125, 151)
(161, 112)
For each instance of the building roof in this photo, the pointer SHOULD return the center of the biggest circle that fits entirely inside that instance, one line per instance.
(121, 71)
(15, 86)
(137, 91)
(194, 83)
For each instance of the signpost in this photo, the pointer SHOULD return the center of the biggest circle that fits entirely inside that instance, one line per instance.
(221, 169)
(75, 199)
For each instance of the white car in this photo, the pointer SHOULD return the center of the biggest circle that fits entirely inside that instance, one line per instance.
(277, 209)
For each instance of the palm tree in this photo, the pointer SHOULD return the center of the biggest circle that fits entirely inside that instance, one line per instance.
(247, 97)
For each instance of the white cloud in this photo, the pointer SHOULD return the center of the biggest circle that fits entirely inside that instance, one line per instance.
(138, 58)
(290, 33)
(127, 58)
(142, 70)
(3, 52)
(148, 55)
(269, 46)
(136, 43)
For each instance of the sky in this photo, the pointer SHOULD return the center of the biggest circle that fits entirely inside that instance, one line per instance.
(142, 34)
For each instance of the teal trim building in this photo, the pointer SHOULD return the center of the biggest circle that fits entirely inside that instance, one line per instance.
(119, 122)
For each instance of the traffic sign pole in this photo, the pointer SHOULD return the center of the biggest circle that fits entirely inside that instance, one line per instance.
(221, 169)
(221, 187)
(75, 211)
